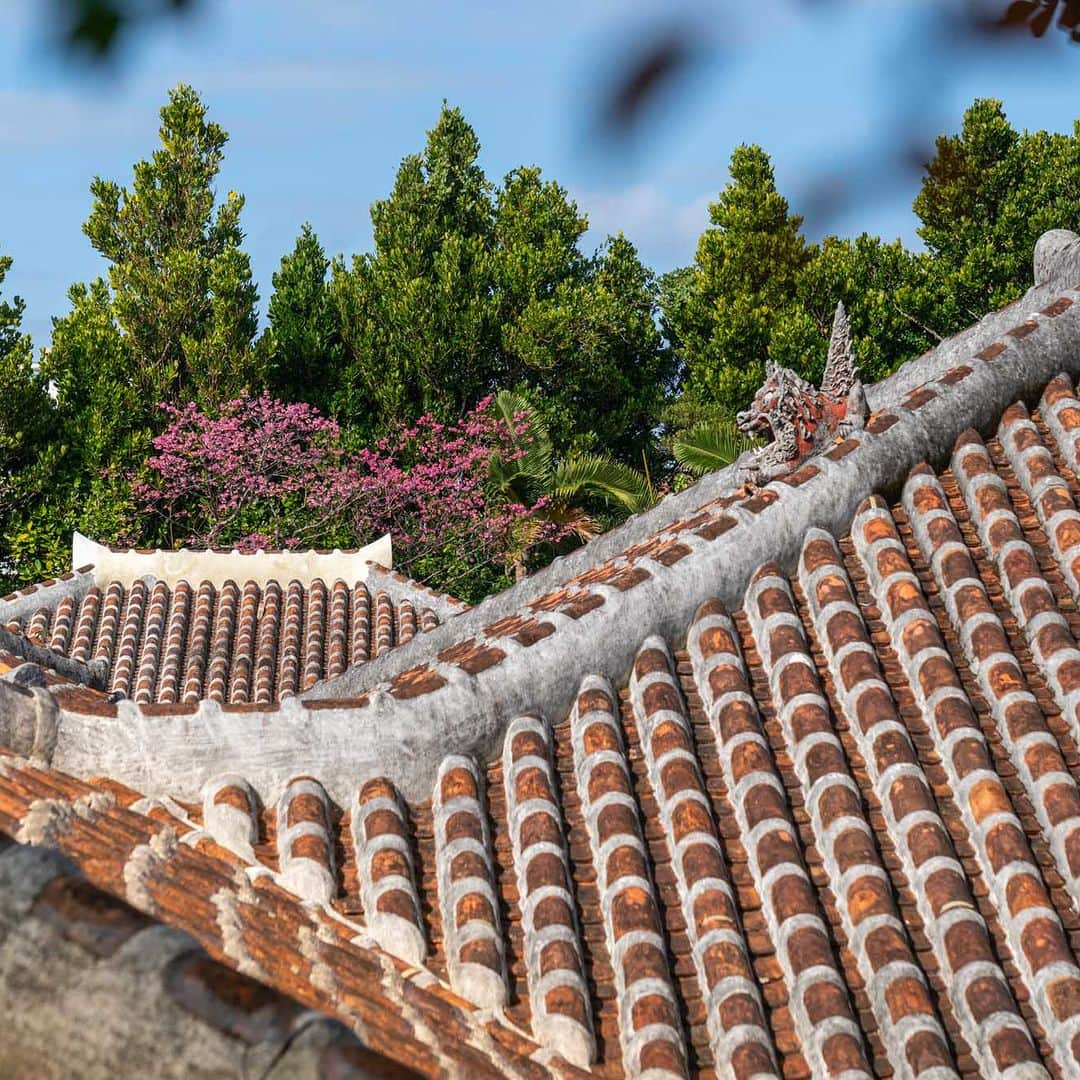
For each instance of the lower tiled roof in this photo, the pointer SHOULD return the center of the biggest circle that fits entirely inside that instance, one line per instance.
(93, 987)
(835, 832)
(252, 643)
(156, 857)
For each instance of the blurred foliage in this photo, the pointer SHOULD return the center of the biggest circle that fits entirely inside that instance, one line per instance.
(96, 27)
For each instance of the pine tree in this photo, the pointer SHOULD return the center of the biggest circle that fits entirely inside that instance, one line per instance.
(580, 332)
(181, 286)
(418, 315)
(744, 277)
(26, 422)
(988, 195)
(302, 345)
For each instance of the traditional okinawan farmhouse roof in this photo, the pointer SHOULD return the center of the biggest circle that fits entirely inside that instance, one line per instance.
(173, 628)
(779, 782)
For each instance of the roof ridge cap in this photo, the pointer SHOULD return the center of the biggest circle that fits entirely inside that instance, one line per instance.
(218, 565)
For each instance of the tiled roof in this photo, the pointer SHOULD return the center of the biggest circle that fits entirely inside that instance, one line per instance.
(746, 797)
(250, 643)
(93, 985)
(839, 829)
(152, 853)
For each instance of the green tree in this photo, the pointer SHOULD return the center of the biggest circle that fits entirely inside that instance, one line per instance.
(174, 322)
(722, 316)
(100, 430)
(473, 287)
(882, 286)
(26, 422)
(419, 315)
(181, 287)
(302, 345)
(580, 331)
(988, 195)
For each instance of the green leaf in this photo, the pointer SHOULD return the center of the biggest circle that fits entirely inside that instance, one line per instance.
(592, 474)
(709, 446)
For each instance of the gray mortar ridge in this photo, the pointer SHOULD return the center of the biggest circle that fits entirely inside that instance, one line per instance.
(405, 739)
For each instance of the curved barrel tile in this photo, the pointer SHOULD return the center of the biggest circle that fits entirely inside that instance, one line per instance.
(38, 630)
(109, 624)
(406, 622)
(241, 674)
(337, 643)
(153, 639)
(305, 842)
(1060, 411)
(384, 623)
(738, 1035)
(86, 626)
(649, 1026)
(266, 645)
(230, 814)
(314, 632)
(123, 668)
(217, 673)
(823, 1025)
(899, 997)
(1037, 472)
(1030, 597)
(198, 648)
(1032, 748)
(558, 995)
(292, 630)
(361, 628)
(1026, 916)
(62, 625)
(175, 638)
(978, 993)
(384, 864)
(472, 934)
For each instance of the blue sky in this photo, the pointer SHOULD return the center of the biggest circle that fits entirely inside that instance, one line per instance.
(323, 98)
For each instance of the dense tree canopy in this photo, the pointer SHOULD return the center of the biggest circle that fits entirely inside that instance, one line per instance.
(477, 383)
(758, 289)
(988, 195)
(301, 348)
(744, 278)
(473, 287)
(25, 419)
(182, 291)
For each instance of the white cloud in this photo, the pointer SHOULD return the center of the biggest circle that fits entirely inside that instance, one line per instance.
(665, 231)
(49, 117)
(301, 76)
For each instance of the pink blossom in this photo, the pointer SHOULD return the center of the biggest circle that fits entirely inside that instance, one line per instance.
(266, 473)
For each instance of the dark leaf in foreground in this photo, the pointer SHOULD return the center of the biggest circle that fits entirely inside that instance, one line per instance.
(644, 77)
(96, 26)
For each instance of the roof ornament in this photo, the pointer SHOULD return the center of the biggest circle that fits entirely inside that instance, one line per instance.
(796, 418)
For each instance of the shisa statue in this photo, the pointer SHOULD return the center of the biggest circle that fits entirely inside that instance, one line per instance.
(799, 420)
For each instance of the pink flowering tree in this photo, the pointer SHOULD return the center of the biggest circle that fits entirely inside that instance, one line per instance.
(431, 485)
(262, 473)
(468, 504)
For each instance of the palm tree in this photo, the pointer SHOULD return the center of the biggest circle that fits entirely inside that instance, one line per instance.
(531, 474)
(709, 445)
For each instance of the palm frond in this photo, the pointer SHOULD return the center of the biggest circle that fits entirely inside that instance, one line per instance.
(710, 445)
(592, 474)
(533, 452)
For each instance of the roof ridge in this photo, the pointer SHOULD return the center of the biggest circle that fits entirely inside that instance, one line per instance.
(217, 565)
